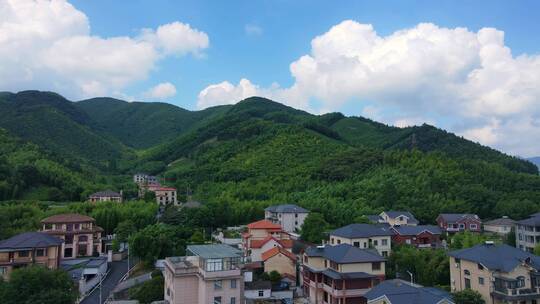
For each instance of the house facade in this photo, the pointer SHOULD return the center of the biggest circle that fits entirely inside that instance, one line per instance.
(340, 274)
(456, 222)
(289, 217)
(105, 196)
(30, 248)
(500, 273)
(280, 260)
(528, 233)
(394, 218)
(423, 236)
(502, 226)
(81, 235)
(262, 236)
(364, 236)
(402, 292)
(166, 196)
(208, 274)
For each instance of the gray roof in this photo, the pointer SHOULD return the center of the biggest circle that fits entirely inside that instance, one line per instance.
(345, 254)
(395, 214)
(214, 251)
(533, 220)
(504, 221)
(287, 208)
(454, 217)
(106, 193)
(30, 240)
(497, 257)
(258, 285)
(415, 230)
(347, 275)
(401, 292)
(362, 230)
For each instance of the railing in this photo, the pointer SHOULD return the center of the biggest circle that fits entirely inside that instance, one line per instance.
(516, 291)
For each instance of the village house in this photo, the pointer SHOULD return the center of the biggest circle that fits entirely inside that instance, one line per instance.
(81, 235)
(258, 292)
(263, 236)
(456, 222)
(340, 274)
(29, 248)
(280, 260)
(423, 236)
(402, 292)
(207, 274)
(500, 273)
(528, 233)
(394, 218)
(365, 236)
(105, 196)
(141, 178)
(502, 226)
(289, 217)
(166, 196)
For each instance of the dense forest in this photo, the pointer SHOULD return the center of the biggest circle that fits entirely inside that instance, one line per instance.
(240, 158)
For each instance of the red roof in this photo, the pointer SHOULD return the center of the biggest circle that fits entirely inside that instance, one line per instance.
(263, 224)
(260, 243)
(68, 218)
(274, 251)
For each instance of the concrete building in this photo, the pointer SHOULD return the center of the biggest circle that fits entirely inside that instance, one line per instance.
(502, 226)
(208, 274)
(264, 292)
(86, 272)
(280, 260)
(262, 236)
(364, 236)
(402, 292)
(142, 178)
(30, 248)
(81, 235)
(423, 236)
(340, 274)
(500, 273)
(394, 218)
(528, 233)
(106, 196)
(166, 196)
(456, 222)
(289, 217)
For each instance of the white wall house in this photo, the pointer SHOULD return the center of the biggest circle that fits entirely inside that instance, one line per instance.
(289, 217)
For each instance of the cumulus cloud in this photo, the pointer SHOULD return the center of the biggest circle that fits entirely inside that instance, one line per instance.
(253, 30)
(161, 91)
(47, 44)
(471, 79)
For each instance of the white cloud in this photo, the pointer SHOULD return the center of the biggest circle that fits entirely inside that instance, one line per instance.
(161, 91)
(253, 30)
(471, 79)
(47, 44)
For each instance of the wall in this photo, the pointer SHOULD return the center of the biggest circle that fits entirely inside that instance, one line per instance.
(281, 264)
(364, 243)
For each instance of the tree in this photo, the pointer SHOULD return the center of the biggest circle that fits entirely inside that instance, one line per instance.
(468, 239)
(36, 284)
(537, 249)
(429, 267)
(272, 276)
(159, 241)
(313, 228)
(468, 296)
(510, 238)
(124, 230)
(149, 291)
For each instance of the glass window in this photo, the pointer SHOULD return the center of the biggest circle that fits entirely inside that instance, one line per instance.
(467, 283)
(40, 252)
(375, 243)
(214, 265)
(376, 266)
(261, 293)
(23, 254)
(217, 300)
(339, 241)
(218, 284)
(466, 272)
(3, 270)
(233, 284)
(473, 226)
(233, 300)
(356, 244)
(480, 280)
(385, 242)
(461, 226)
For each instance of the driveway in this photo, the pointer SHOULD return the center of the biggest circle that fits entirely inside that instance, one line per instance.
(117, 271)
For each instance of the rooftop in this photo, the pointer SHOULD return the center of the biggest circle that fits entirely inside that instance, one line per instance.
(29, 240)
(416, 230)
(347, 275)
(276, 250)
(497, 257)
(345, 254)
(214, 251)
(395, 214)
(286, 208)
(263, 224)
(106, 193)
(260, 243)
(454, 217)
(362, 230)
(401, 292)
(68, 218)
(503, 221)
(533, 220)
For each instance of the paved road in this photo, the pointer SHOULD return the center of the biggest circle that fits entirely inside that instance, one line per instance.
(117, 271)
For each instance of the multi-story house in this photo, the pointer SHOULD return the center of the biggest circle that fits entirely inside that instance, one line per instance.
(340, 274)
(208, 274)
(500, 273)
(364, 236)
(166, 196)
(456, 222)
(81, 235)
(528, 233)
(402, 292)
(502, 226)
(289, 217)
(141, 178)
(105, 196)
(30, 248)
(280, 260)
(394, 218)
(262, 236)
(423, 236)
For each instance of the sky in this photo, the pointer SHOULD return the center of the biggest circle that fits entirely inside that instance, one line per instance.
(470, 67)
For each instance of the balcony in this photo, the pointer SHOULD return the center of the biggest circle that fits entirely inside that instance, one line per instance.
(345, 292)
(516, 294)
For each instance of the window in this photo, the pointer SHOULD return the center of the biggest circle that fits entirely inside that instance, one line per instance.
(3, 270)
(83, 238)
(296, 223)
(365, 245)
(466, 272)
(233, 300)
(306, 259)
(40, 252)
(332, 241)
(296, 215)
(233, 284)
(385, 253)
(218, 284)
(69, 239)
(356, 244)
(408, 241)
(376, 266)
(480, 281)
(375, 243)
(461, 226)
(457, 260)
(217, 300)
(384, 242)
(261, 293)
(520, 282)
(473, 226)
(467, 283)
(23, 254)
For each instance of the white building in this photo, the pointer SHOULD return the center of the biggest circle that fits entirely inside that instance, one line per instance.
(528, 233)
(289, 217)
(501, 226)
(364, 236)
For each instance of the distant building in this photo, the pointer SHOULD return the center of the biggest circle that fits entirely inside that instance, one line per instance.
(341, 273)
(394, 218)
(105, 196)
(166, 196)
(85, 272)
(264, 292)
(30, 248)
(528, 233)
(423, 236)
(364, 236)
(501, 226)
(262, 236)
(500, 273)
(81, 235)
(402, 292)
(208, 274)
(456, 222)
(142, 178)
(289, 217)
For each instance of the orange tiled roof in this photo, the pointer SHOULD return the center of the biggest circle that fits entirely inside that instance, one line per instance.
(260, 243)
(263, 224)
(274, 251)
